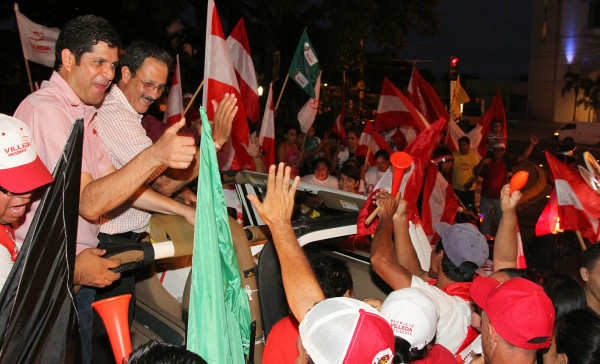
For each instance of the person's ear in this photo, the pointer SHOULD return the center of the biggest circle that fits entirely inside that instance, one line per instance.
(494, 337)
(68, 59)
(585, 274)
(126, 74)
(562, 358)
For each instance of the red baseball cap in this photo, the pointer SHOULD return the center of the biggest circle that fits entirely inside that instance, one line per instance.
(21, 170)
(519, 309)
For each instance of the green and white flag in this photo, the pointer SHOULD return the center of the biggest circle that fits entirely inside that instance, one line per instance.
(304, 69)
(219, 316)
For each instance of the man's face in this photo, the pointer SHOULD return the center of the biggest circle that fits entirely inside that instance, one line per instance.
(382, 164)
(446, 166)
(146, 85)
(499, 153)
(321, 171)
(96, 70)
(12, 207)
(592, 283)
(463, 147)
(497, 128)
(352, 140)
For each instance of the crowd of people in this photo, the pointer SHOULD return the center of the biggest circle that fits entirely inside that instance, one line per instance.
(444, 314)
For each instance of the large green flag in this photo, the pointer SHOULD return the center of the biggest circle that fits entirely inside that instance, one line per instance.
(304, 69)
(219, 317)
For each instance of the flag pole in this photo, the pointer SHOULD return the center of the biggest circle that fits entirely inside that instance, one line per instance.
(581, 242)
(28, 74)
(193, 98)
(281, 92)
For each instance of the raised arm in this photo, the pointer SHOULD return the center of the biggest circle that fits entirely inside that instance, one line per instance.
(533, 140)
(405, 250)
(506, 245)
(301, 286)
(383, 253)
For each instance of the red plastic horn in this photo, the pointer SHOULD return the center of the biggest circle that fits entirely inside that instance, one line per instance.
(113, 312)
(518, 181)
(400, 162)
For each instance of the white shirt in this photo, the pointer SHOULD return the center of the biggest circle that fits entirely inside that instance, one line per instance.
(455, 316)
(329, 182)
(372, 176)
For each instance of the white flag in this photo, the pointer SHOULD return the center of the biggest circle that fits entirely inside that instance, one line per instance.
(308, 112)
(37, 41)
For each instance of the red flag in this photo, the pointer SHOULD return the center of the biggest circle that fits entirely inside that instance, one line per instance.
(220, 79)
(239, 50)
(496, 111)
(578, 205)
(439, 200)
(420, 150)
(338, 126)
(174, 109)
(395, 109)
(371, 141)
(549, 222)
(267, 130)
(425, 99)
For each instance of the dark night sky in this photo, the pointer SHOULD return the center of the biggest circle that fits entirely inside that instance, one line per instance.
(490, 37)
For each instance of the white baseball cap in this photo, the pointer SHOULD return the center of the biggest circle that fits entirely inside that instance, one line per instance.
(21, 170)
(413, 315)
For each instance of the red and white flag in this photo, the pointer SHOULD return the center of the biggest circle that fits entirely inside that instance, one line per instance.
(308, 112)
(371, 141)
(37, 40)
(267, 130)
(219, 79)
(395, 109)
(578, 205)
(174, 109)
(338, 126)
(425, 99)
(439, 200)
(239, 50)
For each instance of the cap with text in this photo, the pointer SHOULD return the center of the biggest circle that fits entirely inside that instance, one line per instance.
(21, 170)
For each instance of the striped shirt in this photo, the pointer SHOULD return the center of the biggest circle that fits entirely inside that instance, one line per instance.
(119, 127)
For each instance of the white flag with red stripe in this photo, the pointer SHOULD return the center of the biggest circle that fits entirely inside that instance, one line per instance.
(37, 40)
(395, 109)
(578, 205)
(239, 49)
(439, 200)
(338, 126)
(371, 141)
(174, 109)
(308, 112)
(219, 79)
(267, 130)
(424, 98)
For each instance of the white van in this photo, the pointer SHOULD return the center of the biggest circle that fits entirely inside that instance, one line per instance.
(579, 132)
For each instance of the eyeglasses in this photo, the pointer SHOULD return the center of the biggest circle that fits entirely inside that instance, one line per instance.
(151, 86)
(11, 194)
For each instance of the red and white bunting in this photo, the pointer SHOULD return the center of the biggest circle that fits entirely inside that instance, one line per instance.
(239, 50)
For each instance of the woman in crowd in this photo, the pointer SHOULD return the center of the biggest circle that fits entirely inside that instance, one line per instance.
(576, 339)
(349, 179)
(288, 152)
(347, 151)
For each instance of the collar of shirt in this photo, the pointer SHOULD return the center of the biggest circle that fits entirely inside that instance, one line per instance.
(63, 87)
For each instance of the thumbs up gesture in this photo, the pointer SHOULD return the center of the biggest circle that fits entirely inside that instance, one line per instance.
(173, 150)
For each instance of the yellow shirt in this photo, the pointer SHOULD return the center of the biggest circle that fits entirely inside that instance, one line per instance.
(462, 170)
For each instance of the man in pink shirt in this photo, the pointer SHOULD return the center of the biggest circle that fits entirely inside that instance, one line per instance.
(86, 58)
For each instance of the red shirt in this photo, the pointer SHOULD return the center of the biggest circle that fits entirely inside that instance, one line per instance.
(494, 178)
(437, 355)
(281, 342)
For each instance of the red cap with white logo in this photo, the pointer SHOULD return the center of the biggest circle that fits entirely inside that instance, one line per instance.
(21, 170)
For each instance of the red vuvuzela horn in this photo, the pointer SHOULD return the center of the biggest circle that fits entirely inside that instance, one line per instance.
(113, 312)
(400, 162)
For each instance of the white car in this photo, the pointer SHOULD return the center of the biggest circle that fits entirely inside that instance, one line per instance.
(579, 132)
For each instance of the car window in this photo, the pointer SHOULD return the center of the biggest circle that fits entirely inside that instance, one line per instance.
(569, 126)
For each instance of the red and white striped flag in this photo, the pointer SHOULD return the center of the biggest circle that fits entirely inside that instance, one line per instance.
(174, 109)
(219, 77)
(308, 112)
(239, 50)
(578, 205)
(395, 109)
(267, 130)
(425, 99)
(338, 126)
(439, 200)
(371, 141)
(37, 40)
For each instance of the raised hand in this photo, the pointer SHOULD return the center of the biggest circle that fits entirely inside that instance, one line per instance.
(223, 118)
(278, 205)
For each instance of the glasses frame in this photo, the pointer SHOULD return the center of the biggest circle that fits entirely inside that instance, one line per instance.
(151, 86)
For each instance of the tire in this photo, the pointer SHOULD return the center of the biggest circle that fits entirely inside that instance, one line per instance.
(569, 140)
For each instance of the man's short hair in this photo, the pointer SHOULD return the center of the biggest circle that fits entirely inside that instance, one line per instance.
(157, 352)
(81, 34)
(136, 53)
(332, 274)
(591, 256)
(464, 139)
(464, 273)
(383, 154)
